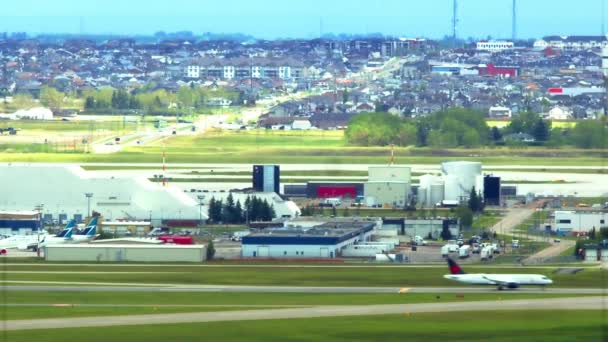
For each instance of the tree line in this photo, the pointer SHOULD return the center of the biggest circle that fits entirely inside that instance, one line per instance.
(459, 127)
(231, 212)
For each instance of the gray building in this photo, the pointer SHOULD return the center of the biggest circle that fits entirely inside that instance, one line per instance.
(321, 241)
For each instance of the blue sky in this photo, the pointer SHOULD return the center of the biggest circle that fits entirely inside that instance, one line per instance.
(301, 18)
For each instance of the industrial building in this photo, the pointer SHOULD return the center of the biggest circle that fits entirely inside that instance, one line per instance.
(125, 253)
(575, 222)
(420, 226)
(491, 190)
(266, 178)
(68, 191)
(334, 189)
(596, 252)
(325, 240)
(19, 222)
(388, 186)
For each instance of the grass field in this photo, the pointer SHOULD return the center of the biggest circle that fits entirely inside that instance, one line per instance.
(507, 326)
(321, 147)
(288, 276)
(89, 304)
(252, 299)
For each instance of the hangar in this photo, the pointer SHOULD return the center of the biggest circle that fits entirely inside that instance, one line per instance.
(60, 191)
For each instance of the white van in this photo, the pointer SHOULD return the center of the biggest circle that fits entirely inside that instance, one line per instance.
(464, 251)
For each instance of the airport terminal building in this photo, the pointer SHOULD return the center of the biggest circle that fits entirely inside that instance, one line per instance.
(321, 241)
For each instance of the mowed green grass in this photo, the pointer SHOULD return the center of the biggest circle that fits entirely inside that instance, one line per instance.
(57, 126)
(40, 312)
(307, 147)
(292, 276)
(82, 304)
(259, 298)
(497, 326)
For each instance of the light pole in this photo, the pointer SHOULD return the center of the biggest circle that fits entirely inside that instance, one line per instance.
(201, 198)
(88, 195)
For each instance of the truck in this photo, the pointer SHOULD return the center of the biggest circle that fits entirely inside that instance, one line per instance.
(419, 241)
(486, 253)
(476, 248)
(448, 204)
(515, 244)
(464, 251)
(331, 202)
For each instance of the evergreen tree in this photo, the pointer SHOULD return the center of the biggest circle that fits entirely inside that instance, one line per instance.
(238, 213)
(210, 250)
(495, 134)
(592, 234)
(473, 201)
(89, 103)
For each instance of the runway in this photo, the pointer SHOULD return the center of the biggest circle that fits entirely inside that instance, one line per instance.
(579, 303)
(295, 289)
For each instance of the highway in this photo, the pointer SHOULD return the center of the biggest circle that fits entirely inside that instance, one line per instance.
(579, 303)
(292, 289)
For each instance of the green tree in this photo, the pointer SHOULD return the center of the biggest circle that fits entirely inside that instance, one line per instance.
(51, 98)
(495, 135)
(23, 101)
(592, 234)
(465, 216)
(210, 250)
(589, 134)
(473, 201)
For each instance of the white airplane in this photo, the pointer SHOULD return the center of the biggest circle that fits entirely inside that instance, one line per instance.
(501, 281)
(88, 233)
(65, 236)
(25, 242)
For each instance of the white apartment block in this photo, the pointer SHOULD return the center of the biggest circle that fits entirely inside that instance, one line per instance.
(494, 46)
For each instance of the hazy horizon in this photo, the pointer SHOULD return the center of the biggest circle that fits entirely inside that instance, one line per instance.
(271, 19)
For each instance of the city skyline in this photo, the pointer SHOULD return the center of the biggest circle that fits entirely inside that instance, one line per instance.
(270, 19)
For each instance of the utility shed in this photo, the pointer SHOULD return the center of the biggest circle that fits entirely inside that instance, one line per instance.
(130, 253)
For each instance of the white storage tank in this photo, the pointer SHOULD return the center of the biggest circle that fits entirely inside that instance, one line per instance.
(466, 174)
(452, 190)
(422, 198)
(436, 193)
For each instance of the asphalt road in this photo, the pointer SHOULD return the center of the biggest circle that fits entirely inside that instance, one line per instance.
(296, 289)
(579, 303)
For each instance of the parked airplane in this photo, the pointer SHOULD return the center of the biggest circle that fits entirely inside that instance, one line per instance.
(501, 281)
(88, 233)
(64, 237)
(25, 242)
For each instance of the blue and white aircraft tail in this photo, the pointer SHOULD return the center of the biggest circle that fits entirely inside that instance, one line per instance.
(88, 233)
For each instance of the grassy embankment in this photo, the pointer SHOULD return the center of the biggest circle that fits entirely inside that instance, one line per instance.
(498, 326)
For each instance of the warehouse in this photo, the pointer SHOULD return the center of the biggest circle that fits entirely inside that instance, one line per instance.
(388, 186)
(125, 253)
(321, 241)
(334, 189)
(433, 226)
(596, 252)
(575, 222)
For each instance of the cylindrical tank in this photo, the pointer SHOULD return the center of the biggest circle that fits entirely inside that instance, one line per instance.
(422, 198)
(452, 190)
(436, 193)
(465, 172)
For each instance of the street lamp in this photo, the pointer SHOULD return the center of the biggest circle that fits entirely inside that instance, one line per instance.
(88, 196)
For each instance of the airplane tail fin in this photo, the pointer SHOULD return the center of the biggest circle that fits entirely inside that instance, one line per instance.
(71, 224)
(69, 233)
(454, 268)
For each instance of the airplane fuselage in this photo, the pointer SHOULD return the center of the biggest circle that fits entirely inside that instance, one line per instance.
(506, 280)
